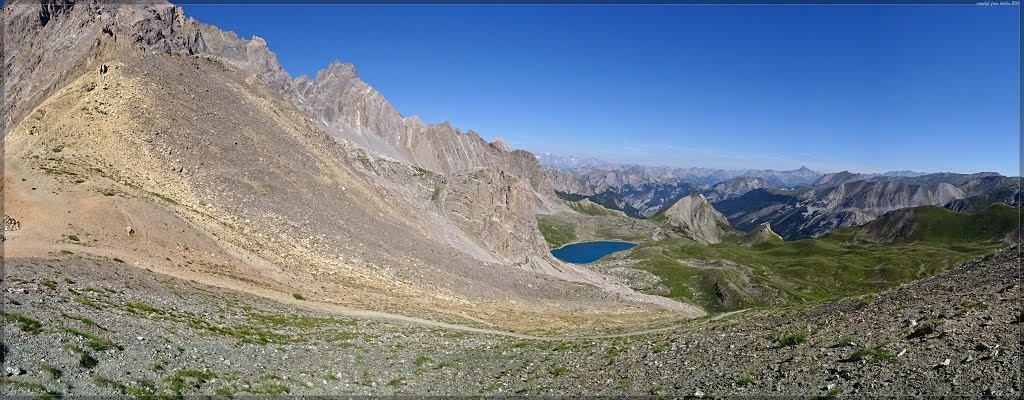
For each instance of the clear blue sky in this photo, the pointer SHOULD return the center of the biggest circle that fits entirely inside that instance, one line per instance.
(864, 88)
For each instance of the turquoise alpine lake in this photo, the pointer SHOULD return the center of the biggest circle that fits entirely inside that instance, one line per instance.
(588, 252)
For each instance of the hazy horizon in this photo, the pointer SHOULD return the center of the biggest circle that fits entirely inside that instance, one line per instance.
(685, 166)
(860, 88)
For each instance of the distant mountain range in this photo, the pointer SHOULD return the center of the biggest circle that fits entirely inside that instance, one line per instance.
(799, 203)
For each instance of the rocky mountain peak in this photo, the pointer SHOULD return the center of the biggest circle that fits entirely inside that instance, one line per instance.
(763, 233)
(51, 9)
(696, 218)
(500, 144)
(257, 41)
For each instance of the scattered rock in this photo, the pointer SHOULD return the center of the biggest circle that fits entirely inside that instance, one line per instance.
(11, 224)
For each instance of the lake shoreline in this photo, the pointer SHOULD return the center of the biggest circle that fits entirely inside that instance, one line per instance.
(590, 251)
(594, 241)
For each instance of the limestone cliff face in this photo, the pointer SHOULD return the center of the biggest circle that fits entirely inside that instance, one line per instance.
(60, 41)
(698, 220)
(877, 198)
(567, 183)
(496, 208)
(891, 227)
(837, 201)
(736, 187)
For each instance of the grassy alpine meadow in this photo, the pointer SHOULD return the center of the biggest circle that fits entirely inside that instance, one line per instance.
(728, 276)
(556, 232)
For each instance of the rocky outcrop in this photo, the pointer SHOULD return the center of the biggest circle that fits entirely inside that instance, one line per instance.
(814, 211)
(883, 196)
(761, 234)
(497, 209)
(735, 187)
(802, 176)
(697, 219)
(337, 100)
(348, 108)
(568, 184)
(648, 189)
(11, 224)
(985, 191)
(891, 227)
(58, 41)
(836, 179)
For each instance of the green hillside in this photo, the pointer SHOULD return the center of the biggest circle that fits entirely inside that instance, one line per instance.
(828, 267)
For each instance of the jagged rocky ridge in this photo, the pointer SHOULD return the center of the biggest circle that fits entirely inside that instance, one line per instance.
(641, 191)
(337, 101)
(695, 218)
(736, 187)
(847, 199)
(171, 109)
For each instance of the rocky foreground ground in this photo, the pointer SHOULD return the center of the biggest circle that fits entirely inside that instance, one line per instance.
(94, 327)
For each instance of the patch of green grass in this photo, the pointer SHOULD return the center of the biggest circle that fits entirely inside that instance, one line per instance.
(51, 284)
(298, 296)
(25, 323)
(555, 231)
(923, 329)
(136, 307)
(145, 390)
(421, 362)
(520, 345)
(791, 339)
(85, 360)
(54, 372)
(396, 382)
(623, 384)
(420, 171)
(243, 333)
(660, 347)
(845, 341)
(363, 159)
(299, 321)
(745, 380)
(85, 301)
(30, 386)
(872, 353)
(586, 207)
(93, 341)
(436, 194)
(559, 371)
(834, 266)
(612, 353)
(188, 378)
(103, 381)
(330, 376)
